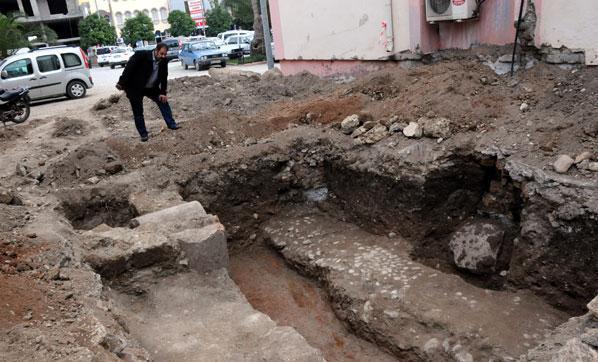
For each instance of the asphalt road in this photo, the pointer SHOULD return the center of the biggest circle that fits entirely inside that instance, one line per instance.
(104, 84)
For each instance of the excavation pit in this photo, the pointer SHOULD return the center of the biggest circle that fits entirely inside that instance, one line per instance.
(414, 263)
(93, 207)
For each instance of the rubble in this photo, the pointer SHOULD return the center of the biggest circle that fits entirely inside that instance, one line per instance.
(563, 163)
(413, 130)
(349, 124)
(435, 127)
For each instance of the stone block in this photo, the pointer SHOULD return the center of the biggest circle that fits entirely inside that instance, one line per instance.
(205, 248)
(475, 246)
(148, 201)
(189, 213)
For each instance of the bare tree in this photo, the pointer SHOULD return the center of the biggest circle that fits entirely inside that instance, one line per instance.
(257, 45)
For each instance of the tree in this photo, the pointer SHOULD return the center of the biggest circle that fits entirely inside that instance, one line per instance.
(180, 23)
(137, 28)
(11, 35)
(94, 30)
(241, 11)
(43, 33)
(257, 45)
(218, 19)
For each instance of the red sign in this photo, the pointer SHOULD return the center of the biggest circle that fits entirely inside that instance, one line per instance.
(197, 13)
(458, 2)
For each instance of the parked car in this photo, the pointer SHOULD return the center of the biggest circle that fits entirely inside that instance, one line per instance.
(236, 46)
(225, 35)
(120, 56)
(103, 53)
(146, 47)
(48, 72)
(216, 40)
(173, 48)
(202, 54)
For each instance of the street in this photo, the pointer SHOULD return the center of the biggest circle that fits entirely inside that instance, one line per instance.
(104, 84)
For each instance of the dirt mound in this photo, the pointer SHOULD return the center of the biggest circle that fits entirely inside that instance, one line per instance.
(66, 127)
(84, 164)
(9, 134)
(192, 97)
(105, 103)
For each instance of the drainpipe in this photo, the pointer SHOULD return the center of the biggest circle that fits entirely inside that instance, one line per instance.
(390, 44)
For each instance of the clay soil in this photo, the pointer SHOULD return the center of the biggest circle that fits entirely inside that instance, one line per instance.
(218, 114)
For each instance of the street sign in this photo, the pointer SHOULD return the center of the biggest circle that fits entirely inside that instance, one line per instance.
(196, 11)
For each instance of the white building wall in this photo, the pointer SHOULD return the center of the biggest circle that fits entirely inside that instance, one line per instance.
(573, 24)
(337, 29)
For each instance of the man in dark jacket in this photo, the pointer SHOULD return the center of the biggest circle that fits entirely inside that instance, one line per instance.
(146, 75)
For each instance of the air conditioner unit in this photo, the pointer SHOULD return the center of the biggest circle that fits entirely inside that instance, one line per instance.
(450, 10)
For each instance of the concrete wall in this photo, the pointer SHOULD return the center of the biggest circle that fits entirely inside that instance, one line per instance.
(572, 24)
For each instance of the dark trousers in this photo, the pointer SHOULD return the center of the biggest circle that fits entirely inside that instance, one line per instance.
(137, 107)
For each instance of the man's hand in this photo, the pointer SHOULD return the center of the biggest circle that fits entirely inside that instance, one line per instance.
(118, 86)
(163, 98)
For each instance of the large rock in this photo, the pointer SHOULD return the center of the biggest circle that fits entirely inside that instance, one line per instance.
(205, 249)
(413, 130)
(349, 124)
(436, 127)
(583, 156)
(563, 164)
(476, 245)
(375, 135)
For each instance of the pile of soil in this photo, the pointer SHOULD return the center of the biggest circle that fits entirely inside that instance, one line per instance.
(559, 114)
(66, 127)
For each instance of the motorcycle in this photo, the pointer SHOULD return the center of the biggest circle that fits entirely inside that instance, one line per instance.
(14, 105)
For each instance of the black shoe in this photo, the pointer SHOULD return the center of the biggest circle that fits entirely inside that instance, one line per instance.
(144, 138)
(175, 127)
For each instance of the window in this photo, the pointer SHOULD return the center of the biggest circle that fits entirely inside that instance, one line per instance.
(48, 63)
(71, 60)
(146, 12)
(128, 15)
(164, 14)
(136, 12)
(119, 19)
(19, 68)
(58, 7)
(155, 17)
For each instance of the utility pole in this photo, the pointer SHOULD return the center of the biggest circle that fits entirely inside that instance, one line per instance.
(267, 37)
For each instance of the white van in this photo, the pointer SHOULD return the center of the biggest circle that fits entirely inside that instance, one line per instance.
(48, 72)
(103, 54)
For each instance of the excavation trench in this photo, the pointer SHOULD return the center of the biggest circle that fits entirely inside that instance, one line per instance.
(340, 252)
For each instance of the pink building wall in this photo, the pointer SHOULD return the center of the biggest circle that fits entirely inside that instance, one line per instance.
(495, 26)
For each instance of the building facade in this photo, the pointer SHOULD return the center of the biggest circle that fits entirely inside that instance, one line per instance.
(352, 36)
(62, 16)
(121, 10)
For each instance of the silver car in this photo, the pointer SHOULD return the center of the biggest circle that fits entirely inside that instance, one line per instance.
(48, 72)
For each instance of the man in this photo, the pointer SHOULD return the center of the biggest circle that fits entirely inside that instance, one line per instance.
(146, 75)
